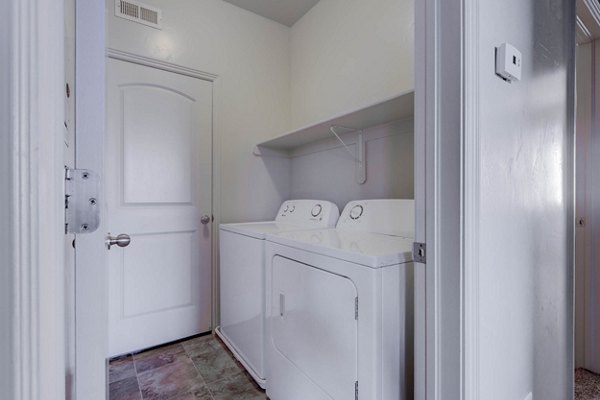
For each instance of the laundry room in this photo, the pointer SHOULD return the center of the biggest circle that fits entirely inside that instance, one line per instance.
(297, 115)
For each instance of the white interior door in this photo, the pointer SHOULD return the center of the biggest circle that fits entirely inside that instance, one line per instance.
(158, 191)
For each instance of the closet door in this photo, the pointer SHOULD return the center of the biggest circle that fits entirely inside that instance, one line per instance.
(158, 189)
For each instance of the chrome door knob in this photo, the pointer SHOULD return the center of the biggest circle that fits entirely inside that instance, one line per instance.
(121, 240)
(205, 219)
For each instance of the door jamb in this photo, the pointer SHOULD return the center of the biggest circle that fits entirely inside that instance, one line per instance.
(447, 157)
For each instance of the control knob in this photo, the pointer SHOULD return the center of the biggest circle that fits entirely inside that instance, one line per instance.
(316, 210)
(356, 211)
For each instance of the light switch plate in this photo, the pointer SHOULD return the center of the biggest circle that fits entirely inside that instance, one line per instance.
(508, 62)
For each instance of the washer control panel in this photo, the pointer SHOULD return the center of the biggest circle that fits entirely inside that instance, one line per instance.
(313, 213)
(387, 216)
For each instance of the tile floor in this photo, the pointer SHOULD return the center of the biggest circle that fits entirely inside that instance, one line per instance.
(201, 368)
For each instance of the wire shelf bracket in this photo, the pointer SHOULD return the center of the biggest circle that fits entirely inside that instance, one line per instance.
(359, 155)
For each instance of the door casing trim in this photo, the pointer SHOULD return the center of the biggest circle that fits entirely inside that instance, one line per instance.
(32, 215)
(160, 64)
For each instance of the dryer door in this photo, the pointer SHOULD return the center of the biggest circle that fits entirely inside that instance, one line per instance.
(314, 326)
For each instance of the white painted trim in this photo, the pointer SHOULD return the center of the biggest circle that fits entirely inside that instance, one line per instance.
(33, 76)
(420, 124)
(470, 206)
(439, 194)
(91, 315)
(159, 64)
(216, 205)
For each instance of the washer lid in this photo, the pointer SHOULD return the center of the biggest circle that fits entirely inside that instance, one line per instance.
(374, 250)
(260, 229)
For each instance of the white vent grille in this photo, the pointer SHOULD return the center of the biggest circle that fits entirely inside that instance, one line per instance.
(138, 12)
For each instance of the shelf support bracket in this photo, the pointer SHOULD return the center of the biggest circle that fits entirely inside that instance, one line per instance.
(361, 163)
(359, 156)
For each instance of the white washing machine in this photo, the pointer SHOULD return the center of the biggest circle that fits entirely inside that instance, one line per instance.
(242, 277)
(337, 306)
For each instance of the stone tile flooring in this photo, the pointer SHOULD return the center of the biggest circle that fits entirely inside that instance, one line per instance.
(201, 368)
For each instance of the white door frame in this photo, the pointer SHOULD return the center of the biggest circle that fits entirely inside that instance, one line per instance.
(91, 318)
(447, 197)
(32, 329)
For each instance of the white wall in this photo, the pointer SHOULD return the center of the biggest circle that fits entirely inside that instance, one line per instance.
(251, 56)
(269, 73)
(344, 55)
(328, 171)
(349, 53)
(526, 148)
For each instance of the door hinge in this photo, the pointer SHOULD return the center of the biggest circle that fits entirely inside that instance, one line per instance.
(356, 390)
(356, 308)
(420, 252)
(82, 209)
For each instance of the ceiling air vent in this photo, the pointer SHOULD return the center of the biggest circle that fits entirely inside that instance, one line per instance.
(138, 12)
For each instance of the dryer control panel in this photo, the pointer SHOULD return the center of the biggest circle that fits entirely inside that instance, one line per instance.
(313, 213)
(389, 216)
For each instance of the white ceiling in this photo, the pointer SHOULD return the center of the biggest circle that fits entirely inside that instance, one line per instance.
(286, 12)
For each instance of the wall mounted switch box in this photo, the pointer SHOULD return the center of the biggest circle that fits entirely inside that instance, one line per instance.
(508, 62)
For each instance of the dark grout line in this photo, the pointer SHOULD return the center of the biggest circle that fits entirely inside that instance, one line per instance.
(137, 378)
(198, 372)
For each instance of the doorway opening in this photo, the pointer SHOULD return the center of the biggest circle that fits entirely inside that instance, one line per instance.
(587, 195)
(272, 77)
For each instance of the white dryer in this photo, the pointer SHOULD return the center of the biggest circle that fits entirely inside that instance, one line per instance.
(337, 306)
(242, 277)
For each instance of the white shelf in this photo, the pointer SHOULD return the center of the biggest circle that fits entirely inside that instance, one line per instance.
(395, 108)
